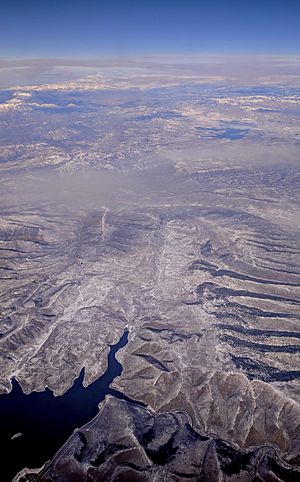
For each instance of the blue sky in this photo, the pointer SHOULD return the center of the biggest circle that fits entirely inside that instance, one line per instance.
(91, 28)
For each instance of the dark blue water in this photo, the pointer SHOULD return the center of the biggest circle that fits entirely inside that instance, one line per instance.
(232, 133)
(46, 421)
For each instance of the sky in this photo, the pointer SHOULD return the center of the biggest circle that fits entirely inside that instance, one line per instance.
(94, 28)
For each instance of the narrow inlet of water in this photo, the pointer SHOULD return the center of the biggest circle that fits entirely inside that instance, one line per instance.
(46, 421)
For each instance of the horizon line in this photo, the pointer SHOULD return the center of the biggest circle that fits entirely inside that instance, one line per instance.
(141, 56)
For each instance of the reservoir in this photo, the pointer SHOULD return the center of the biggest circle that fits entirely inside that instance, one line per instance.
(40, 422)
